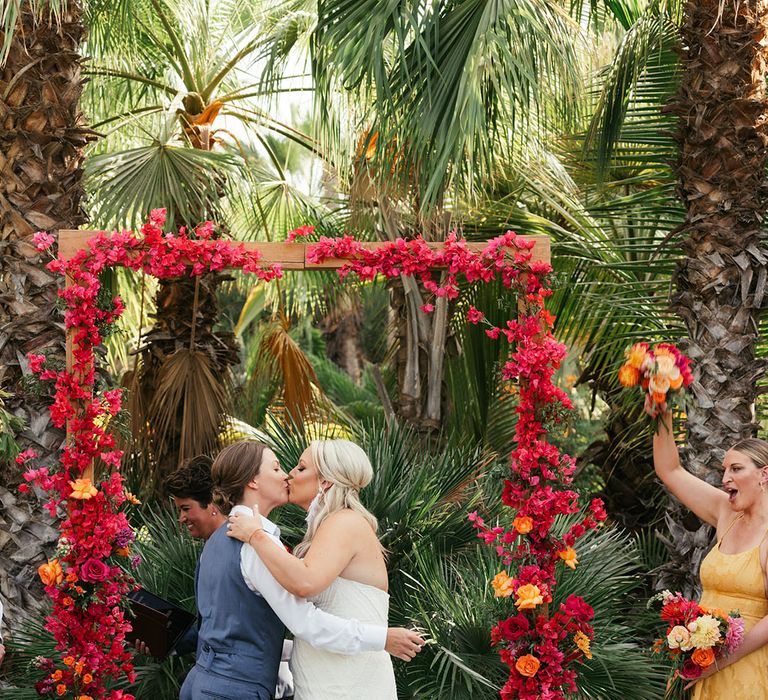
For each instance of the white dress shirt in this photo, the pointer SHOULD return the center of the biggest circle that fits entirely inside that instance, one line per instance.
(302, 618)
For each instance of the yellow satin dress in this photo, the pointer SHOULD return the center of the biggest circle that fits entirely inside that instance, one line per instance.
(736, 582)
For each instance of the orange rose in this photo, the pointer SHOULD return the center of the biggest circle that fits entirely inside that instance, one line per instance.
(69, 660)
(527, 665)
(51, 573)
(703, 657)
(502, 585)
(676, 383)
(569, 557)
(528, 597)
(629, 376)
(82, 489)
(87, 678)
(61, 689)
(56, 675)
(68, 601)
(84, 697)
(658, 397)
(523, 524)
(123, 551)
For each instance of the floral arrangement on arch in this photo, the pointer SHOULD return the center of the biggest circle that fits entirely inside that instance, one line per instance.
(84, 580)
(541, 650)
(88, 588)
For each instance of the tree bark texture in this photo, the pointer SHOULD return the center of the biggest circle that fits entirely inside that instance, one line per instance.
(42, 137)
(721, 282)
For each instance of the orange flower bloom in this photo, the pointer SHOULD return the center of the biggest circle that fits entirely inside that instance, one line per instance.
(659, 397)
(132, 499)
(82, 489)
(676, 383)
(68, 601)
(84, 697)
(57, 675)
(51, 573)
(523, 524)
(569, 557)
(629, 376)
(502, 585)
(87, 678)
(528, 597)
(79, 666)
(69, 660)
(527, 665)
(703, 657)
(61, 689)
(582, 642)
(636, 355)
(123, 551)
(71, 577)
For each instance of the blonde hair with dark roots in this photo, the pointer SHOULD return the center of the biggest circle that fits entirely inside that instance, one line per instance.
(755, 449)
(346, 466)
(234, 467)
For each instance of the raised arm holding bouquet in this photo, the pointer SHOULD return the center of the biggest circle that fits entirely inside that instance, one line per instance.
(733, 574)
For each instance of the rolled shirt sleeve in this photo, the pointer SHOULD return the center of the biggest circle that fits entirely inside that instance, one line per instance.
(305, 620)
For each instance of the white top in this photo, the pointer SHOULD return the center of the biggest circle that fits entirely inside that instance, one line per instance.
(302, 618)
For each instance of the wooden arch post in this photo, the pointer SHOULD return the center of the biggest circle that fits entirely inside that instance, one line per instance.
(290, 256)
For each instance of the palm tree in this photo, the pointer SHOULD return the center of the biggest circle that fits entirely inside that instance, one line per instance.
(437, 99)
(41, 187)
(722, 108)
(171, 99)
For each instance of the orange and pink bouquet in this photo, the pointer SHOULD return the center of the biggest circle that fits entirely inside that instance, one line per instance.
(694, 637)
(660, 371)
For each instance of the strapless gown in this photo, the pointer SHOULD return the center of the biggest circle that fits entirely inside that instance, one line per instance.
(323, 675)
(735, 582)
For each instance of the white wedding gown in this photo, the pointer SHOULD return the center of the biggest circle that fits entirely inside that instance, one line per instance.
(323, 675)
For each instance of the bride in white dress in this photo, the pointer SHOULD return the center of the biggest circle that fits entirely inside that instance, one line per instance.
(339, 565)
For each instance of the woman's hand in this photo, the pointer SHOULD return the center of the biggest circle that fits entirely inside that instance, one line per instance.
(243, 527)
(709, 671)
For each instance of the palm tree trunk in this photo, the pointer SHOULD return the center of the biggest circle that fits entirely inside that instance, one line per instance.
(723, 135)
(41, 156)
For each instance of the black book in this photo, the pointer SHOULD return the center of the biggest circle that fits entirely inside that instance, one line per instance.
(158, 623)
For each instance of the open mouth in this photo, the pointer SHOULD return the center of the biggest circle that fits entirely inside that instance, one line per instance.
(732, 492)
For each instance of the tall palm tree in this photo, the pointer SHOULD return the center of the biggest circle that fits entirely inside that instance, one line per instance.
(41, 187)
(440, 98)
(722, 109)
(171, 101)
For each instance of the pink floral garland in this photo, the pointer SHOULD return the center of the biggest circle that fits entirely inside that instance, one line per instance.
(541, 650)
(88, 587)
(84, 581)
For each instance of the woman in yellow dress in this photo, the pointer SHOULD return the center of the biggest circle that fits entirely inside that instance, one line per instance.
(733, 574)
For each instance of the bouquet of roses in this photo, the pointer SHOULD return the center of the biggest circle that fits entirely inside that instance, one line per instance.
(660, 370)
(696, 637)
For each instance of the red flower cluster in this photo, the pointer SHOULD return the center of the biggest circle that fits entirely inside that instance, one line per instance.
(539, 650)
(87, 586)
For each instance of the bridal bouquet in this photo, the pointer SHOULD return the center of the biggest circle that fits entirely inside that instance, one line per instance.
(660, 371)
(696, 637)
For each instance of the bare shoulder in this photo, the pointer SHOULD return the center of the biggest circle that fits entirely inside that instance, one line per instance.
(346, 520)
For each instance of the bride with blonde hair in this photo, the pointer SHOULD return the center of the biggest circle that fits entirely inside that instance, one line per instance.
(339, 565)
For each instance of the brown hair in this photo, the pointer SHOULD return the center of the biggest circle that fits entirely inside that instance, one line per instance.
(755, 449)
(192, 480)
(235, 466)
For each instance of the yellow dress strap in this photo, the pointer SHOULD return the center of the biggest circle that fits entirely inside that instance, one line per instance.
(733, 522)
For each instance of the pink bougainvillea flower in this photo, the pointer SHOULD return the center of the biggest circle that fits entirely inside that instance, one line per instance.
(43, 240)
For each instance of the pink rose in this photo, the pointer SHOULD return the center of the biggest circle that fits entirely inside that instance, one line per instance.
(690, 670)
(94, 571)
